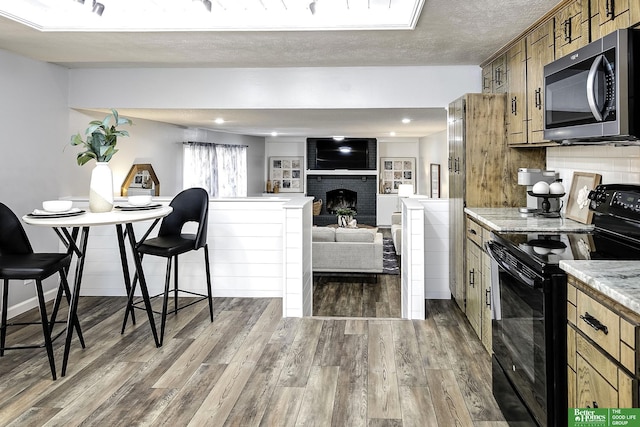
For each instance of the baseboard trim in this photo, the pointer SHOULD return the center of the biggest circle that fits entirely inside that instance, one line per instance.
(24, 306)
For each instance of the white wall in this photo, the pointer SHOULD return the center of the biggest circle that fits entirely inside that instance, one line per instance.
(337, 87)
(34, 121)
(159, 144)
(433, 149)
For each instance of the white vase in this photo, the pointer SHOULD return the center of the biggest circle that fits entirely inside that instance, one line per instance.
(344, 220)
(101, 188)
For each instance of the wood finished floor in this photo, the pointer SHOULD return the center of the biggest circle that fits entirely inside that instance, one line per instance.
(251, 367)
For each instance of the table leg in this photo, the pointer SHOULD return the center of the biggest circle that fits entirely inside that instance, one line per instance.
(143, 282)
(73, 305)
(125, 269)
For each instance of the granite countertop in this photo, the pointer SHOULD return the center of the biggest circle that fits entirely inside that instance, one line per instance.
(512, 221)
(616, 279)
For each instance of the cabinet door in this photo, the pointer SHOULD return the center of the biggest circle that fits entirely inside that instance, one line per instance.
(487, 79)
(456, 202)
(474, 286)
(516, 113)
(499, 68)
(540, 51)
(593, 389)
(610, 15)
(571, 27)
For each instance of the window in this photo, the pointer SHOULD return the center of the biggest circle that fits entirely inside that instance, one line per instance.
(220, 169)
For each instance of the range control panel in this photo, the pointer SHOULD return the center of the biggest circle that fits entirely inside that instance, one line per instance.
(621, 200)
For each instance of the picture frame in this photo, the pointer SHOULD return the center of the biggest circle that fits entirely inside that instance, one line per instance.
(435, 180)
(577, 199)
(287, 173)
(582, 245)
(395, 171)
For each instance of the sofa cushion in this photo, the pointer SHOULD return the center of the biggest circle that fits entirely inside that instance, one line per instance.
(323, 234)
(355, 235)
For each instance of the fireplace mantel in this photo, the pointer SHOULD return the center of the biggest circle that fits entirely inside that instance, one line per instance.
(341, 172)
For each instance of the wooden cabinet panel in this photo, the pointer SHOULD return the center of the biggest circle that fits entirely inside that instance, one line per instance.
(487, 79)
(572, 395)
(593, 389)
(609, 341)
(474, 286)
(610, 15)
(516, 115)
(571, 27)
(540, 51)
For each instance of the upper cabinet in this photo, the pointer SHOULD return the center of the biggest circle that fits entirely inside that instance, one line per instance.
(516, 112)
(571, 27)
(540, 51)
(610, 15)
(494, 76)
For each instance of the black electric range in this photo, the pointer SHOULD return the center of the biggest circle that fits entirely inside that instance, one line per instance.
(529, 303)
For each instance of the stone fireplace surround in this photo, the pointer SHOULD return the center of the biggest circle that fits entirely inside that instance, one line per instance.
(365, 185)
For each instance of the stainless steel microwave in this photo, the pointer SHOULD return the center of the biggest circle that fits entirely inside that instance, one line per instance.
(590, 95)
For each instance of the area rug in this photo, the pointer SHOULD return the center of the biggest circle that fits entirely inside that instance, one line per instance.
(389, 257)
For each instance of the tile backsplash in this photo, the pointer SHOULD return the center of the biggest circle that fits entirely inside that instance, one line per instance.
(617, 165)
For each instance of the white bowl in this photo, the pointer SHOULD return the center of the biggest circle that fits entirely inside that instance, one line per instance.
(57, 205)
(140, 200)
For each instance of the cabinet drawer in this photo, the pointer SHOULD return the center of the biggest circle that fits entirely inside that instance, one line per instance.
(474, 232)
(593, 389)
(591, 312)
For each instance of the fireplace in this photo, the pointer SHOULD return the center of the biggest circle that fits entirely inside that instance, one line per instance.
(341, 198)
(356, 191)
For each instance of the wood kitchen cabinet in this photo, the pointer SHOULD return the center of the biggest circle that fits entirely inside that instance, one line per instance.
(610, 15)
(494, 76)
(540, 51)
(478, 287)
(602, 350)
(483, 172)
(571, 27)
(516, 114)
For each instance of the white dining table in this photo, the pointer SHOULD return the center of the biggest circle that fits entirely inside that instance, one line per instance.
(73, 231)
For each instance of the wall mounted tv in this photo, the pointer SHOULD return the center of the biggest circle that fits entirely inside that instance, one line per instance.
(349, 153)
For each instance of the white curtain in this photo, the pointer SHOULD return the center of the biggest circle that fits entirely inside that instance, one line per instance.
(219, 169)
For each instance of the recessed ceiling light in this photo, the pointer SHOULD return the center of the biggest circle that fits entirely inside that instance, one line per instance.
(406, 120)
(392, 133)
(219, 120)
(274, 133)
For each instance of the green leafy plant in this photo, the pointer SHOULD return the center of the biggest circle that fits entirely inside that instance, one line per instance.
(346, 212)
(101, 138)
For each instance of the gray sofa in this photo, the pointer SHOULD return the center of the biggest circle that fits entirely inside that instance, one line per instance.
(346, 250)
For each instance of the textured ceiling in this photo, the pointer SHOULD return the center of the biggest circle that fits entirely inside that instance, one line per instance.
(449, 32)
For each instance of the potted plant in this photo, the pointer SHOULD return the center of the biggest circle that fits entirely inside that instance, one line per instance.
(345, 216)
(100, 142)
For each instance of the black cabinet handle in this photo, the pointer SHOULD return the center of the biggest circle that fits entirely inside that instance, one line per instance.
(610, 8)
(449, 163)
(594, 323)
(485, 83)
(472, 280)
(498, 76)
(472, 231)
(538, 99)
(595, 405)
(514, 108)
(487, 297)
(567, 30)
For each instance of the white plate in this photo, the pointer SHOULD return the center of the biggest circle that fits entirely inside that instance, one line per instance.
(42, 212)
(128, 207)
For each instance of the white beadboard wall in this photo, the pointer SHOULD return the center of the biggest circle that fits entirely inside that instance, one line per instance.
(620, 165)
(255, 249)
(436, 251)
(412, 269)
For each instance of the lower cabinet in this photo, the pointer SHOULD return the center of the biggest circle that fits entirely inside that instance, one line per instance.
(478, 282)
(602, 352)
